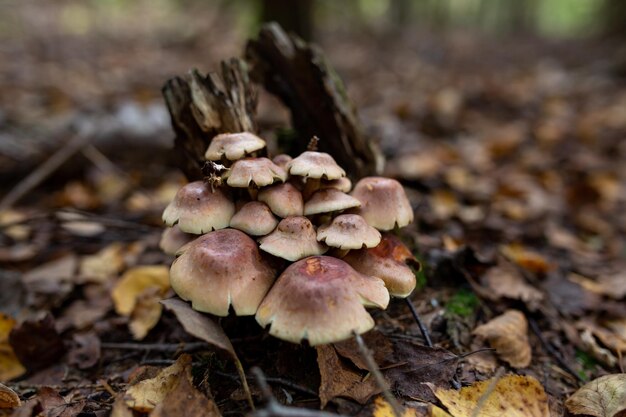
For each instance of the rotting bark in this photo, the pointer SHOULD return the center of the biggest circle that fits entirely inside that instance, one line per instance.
(298, 73)
(204, 106)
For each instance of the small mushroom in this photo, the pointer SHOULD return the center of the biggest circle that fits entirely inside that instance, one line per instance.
(221, 269)
(387, 261)
(233, 146)
(255, 218)
(257, 171)
(172, 239)
(284, 199)
(329, 200)
(321, 299)
(384, 203)
(348, 231)
(196, 209)
(342, 184)
(317, 165)
(293, 239)
(282, 160)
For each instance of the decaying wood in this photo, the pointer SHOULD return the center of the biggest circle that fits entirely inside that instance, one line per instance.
(298, 73)
(204, 106)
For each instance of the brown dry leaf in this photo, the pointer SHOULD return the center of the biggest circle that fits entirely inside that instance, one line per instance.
(339, 379)
(52, 279)
(54, 405)
(511, 396)
(36, 342)
(349, 349)
(147, 394)
(10, 366)
(8, 397)
(103, 265)
(85, 350)
(591, 346)
(526, 258)
(508, 335)
(134, 282)
(383, 409)
(602, 397)
(186, 400)
(610, 285)
(504, 280)
(119, 408)
(11, 221)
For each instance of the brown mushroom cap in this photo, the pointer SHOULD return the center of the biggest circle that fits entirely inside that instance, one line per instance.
(328, 200)
(233, 146)
(284, 199)
(256, 171)
(312, 164)
(293, 239)
(387, 261)
(221, 269)
(255, 218)
(321, 299)
(342, 184)
(172, 239)
(348, 231)
(198, 210)
(384, 203)
(282, 160)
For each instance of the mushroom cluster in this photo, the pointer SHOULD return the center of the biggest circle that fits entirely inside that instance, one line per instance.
(288, 240)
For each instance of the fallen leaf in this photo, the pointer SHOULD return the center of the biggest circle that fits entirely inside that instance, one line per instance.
(510, 396)
(54, 405)
(103, 265)
(504, 280)
(602, 397)
(349, 349)
(339, 379)
(147, 394)
(85, 352)
(36, 342)
(119, 408)
(134, 282)
(383, 409)
(146, 313)
(13, 224)
(83, 313)
(610, 285)
(526, 258)
(508, 335)
(50, 283)
(10, 366)
(591, 346)
(8, 397)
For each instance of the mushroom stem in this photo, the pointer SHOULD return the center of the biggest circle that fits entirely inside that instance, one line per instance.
(311, 186)
(339, 253)
(378, 376)
(253, 192)
(244, 382)
(419, 322)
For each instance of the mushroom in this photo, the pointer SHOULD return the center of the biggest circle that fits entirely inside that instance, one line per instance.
(321, 299)
(196, 209)
(342, 184)
(284, 199)
(255, 218)
(282, 160)
(387, 261)
(348, 231)
(221, 269)
(384, 203)
(293, 239)
(316, 165)
(172, 239)
(233, 146)
(258, 171)
(328, 200)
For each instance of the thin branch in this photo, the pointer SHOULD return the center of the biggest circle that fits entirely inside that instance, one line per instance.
(157, 347)
(419, 322)
(490, 388)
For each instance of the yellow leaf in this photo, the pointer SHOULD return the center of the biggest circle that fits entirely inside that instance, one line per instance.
(10, 366)
(134, 282)
(602, 397)
(146, 313)
(438, 412)
(511, 396)
(508, 335)
(383, 409)
(8, 398)
(102, 266)
(147, 394)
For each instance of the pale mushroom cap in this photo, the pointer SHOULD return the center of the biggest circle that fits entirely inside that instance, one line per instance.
(283, 199)
(321, 299)
(348, 231)
(233, 146)
(196, 209)
(172, 239)
(329, 200)
(221, 269)
(314, 164)
(342, 184)
(255, 218)
(256, 171)
(282, 160)
(387, 261)
(293, 239)
(384, 203)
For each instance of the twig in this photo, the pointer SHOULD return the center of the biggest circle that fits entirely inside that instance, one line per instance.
(275, 409)
(378, 376)
(419, 322)
(273, 380)
(490, 388)
(43, 171)
(157, 347)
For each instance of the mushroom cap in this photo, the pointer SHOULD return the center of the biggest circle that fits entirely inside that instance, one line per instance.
(172, 239)
(342, 184)
(348, 231)
(293, 239)
(196, 209)
(387, 261)
(321, 299)
(282, 159)
(327, 200)
(221, 269)
(384, 203)
(258, 171)
(313, 164)
(255, 218)
(283, 199)
(233, 146)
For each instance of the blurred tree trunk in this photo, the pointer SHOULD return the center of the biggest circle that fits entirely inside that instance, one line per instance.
(293, 15)
(614, 17)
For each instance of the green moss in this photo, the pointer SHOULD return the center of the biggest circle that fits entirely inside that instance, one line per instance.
(587, 362)
(462, 304)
